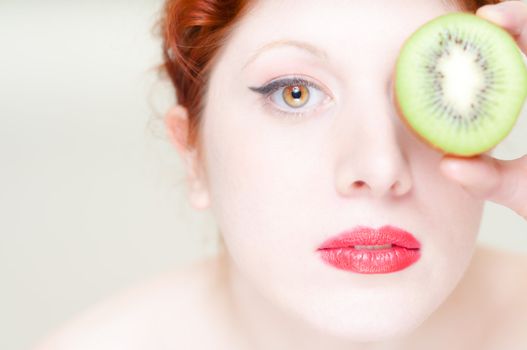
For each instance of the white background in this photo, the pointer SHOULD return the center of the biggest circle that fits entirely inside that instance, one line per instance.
(91, 198)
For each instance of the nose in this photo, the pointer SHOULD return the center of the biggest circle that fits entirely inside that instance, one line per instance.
(371, 157)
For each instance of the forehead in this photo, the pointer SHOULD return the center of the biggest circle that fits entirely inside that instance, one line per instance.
(338, 27)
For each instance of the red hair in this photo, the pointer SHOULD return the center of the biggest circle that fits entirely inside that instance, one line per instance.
(193, 31)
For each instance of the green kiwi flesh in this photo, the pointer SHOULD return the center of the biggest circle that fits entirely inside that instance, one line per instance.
(460, 83)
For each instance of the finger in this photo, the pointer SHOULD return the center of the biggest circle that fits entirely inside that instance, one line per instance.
(500, 181)
(511, 16)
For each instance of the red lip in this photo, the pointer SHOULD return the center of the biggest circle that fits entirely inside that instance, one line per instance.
(339, 251)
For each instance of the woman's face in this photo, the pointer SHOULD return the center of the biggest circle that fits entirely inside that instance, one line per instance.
(280, 185)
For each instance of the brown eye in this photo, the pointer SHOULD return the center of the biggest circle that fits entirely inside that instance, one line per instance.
(295, 95)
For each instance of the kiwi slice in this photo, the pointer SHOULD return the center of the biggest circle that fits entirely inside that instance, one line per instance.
(460, 83)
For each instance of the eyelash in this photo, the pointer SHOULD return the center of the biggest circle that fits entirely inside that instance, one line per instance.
(269, 89)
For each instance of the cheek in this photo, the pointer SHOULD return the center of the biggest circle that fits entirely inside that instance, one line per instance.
(257, 178)
(450, 219)
(267, 186)
(448, 208)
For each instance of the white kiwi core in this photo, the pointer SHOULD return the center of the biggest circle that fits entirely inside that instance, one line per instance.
(463, 78)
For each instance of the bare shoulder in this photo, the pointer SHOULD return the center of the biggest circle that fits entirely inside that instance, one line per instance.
(161, 313)
(506, 279)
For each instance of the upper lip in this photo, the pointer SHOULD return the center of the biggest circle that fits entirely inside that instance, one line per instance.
(363, 235)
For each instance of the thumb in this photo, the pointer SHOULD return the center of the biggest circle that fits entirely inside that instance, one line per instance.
(485, 177)
(477, 175)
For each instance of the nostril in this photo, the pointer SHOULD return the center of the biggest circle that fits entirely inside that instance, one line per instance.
(358, 184)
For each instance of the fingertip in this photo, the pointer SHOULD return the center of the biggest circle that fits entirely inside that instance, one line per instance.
(463, 168)
(451, 165)
(493, 13)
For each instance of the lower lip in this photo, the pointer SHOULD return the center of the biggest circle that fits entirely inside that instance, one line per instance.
(372, 261)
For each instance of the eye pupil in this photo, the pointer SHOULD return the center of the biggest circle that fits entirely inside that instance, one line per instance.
(296, 92)
(296, 96)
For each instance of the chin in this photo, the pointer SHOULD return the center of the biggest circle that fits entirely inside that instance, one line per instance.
(373, 330)
(377, 327)
(368, 317)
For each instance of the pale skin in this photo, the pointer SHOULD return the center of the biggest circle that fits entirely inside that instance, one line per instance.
(267, 290)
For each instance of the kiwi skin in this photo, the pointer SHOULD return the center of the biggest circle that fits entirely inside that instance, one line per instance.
(424, 139)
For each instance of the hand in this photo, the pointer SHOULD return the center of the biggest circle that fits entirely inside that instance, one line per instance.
(500, 181)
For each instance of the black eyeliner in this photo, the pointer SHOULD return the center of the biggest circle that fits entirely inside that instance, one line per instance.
(275, 85)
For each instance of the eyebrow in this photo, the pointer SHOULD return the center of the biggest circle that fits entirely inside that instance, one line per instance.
(310, 48)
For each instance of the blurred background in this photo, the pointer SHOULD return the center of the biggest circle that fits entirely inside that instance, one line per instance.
(92, 195)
